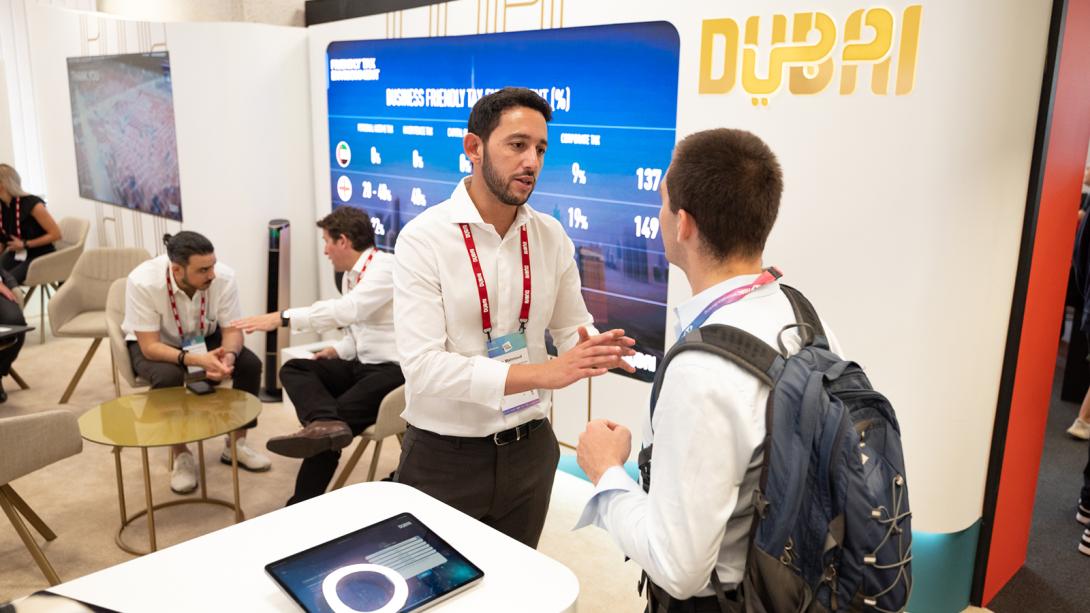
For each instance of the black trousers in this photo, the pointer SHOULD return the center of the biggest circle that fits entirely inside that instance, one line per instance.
(246, 376)
(345, 390)
(12, 315)
(506, 487)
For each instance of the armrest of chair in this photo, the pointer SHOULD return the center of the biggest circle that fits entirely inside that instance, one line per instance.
(53, 267)
(31, 442)
(64, 306)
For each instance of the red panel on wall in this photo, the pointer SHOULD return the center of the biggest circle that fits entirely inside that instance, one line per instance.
(1053, 243)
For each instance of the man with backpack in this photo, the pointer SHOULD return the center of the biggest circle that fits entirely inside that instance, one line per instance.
(709, 488)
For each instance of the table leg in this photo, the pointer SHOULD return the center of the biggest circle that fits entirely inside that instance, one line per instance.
(200, 454)
(120, 486)
(147, 497)
(234, 474)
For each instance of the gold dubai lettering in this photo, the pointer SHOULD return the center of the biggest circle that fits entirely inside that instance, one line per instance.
(806, 51)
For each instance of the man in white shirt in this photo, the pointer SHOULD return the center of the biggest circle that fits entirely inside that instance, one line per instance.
(337, 394)
(176, 306)
(720, 199)
(481, 275)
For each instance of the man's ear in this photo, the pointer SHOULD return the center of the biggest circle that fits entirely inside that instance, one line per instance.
(686, 226)
(474, 147)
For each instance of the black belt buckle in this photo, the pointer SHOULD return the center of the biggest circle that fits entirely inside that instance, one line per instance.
(520, 431)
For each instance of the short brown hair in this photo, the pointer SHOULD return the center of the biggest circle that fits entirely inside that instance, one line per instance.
(730, 182)
(351, 222)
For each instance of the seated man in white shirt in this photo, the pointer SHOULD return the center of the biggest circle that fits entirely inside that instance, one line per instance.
(337, 394)
(176, 306)
(471, 325)
(720, 198)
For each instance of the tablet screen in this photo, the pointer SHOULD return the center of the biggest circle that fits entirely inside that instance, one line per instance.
(395, 565)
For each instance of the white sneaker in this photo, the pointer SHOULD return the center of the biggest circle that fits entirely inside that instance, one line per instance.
(1084, 544)
(1080, 429)
(183, 479)
(247, 458)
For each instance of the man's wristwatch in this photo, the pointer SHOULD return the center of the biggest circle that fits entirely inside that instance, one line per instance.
(181, 357)
(285, 322)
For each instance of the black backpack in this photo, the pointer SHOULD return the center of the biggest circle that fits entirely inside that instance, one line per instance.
(832, 530)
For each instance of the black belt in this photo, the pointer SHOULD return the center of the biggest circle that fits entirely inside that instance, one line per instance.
(658, 600)
(506, 437)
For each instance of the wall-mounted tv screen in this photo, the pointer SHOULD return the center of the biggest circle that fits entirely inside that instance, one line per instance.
(123, 123)
(397, 115)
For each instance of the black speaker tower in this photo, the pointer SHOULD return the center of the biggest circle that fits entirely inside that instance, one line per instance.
(277, 298)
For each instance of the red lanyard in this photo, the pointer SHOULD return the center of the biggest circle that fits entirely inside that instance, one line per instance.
(482, 290)
(174, 309)
(364, 269)
(18, 222)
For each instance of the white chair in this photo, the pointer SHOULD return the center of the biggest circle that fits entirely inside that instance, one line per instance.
(389, 423)
(28, 443)
(79, 307)
(46, 271)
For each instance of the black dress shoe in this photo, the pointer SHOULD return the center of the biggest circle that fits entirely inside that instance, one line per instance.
(3, 394)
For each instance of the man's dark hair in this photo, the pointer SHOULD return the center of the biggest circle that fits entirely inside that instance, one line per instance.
(485, 115)
(185, 244)
(730, 182)
(350, 222)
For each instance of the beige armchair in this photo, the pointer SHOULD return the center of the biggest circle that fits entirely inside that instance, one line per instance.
(48, 270)
(119, 349)
(389, 423)
(29, 443)
(79, 307)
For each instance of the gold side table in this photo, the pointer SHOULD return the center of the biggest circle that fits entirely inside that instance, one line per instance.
(164, 417)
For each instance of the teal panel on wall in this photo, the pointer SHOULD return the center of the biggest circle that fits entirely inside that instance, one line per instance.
(942, 570)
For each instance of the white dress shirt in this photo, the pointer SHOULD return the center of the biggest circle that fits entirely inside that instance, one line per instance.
(365, 308)
(147, 303)
(451, 385)
(708, 423)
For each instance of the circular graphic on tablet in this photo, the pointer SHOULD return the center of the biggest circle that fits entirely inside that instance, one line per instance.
(365, 588)
(344, 188)
(344, 154)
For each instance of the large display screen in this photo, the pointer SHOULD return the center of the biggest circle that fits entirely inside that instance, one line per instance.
(397, 115)
(123, 123)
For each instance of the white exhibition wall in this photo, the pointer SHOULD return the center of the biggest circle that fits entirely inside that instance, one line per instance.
(243, 131)
(901, 216)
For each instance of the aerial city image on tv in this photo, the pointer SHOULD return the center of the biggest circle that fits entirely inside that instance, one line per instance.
(123, 123)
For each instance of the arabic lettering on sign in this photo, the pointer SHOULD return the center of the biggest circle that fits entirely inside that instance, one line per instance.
(808, 60)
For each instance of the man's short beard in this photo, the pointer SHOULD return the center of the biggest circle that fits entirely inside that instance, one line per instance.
(497, 186)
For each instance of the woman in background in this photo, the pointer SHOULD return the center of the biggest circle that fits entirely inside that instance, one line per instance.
(26, 227)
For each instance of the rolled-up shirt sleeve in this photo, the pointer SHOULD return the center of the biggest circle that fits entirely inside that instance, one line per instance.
(420, 329)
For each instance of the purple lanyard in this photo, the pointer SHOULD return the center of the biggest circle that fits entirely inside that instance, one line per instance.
(770, 275)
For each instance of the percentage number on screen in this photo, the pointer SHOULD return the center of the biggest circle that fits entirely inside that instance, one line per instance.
(647, 179)
(647, 226)
(577, 219)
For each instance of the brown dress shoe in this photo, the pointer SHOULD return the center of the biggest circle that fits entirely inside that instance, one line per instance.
(314, 438)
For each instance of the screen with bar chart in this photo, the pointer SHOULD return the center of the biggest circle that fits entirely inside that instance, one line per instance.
(397, 115)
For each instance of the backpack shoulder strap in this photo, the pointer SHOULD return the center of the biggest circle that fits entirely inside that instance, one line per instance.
(810, 328)
(738, 346)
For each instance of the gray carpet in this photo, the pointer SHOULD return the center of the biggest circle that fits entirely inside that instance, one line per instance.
(1056, 577)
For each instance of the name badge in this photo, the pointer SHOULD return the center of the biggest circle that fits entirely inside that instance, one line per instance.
(195, 346)
(20, 256)
(511, 349)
